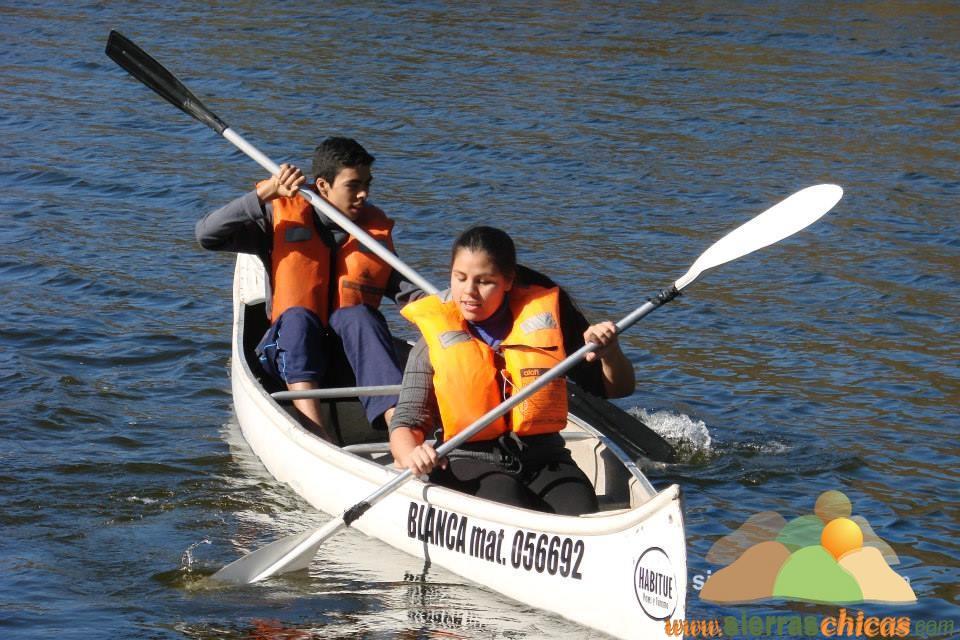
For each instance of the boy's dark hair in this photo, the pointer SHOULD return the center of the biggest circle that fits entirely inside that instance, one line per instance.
(496, 243)
(333, 154)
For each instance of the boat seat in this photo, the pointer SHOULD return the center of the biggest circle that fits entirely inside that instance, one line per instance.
(367, 448)
(379, 452)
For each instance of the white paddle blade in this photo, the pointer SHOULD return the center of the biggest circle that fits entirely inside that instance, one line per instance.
(776, 223)
(292, 553)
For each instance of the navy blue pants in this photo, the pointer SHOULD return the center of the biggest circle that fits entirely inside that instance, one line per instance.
(298, 348)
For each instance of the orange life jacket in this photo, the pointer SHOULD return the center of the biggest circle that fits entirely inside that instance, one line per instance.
(300, 261)
(466, 378)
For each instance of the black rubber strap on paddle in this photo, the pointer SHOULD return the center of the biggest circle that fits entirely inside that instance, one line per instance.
(355, 512)
(666, 295)
(144, 68)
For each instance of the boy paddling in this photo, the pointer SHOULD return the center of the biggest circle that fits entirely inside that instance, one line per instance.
(324, 286)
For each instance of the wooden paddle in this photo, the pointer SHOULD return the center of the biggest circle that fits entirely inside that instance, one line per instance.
(295, 552)
(147, 70)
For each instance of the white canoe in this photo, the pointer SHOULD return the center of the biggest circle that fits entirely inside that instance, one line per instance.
(622, 570)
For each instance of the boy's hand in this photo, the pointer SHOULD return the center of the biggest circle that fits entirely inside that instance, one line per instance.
(283, 185)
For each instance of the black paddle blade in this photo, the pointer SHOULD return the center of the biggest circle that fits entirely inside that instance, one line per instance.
(626, 431)
(141, 66)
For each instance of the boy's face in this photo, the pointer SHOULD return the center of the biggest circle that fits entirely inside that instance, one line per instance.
(349, 190)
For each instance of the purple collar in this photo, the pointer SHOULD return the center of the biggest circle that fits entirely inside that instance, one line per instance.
(495, 328)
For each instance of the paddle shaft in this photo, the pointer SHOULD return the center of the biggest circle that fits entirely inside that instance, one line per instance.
(773, 225)
(504, 407)
(332, 212)
(147, 70)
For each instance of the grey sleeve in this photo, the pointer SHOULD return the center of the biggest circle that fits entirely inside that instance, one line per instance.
(417, 406)
(243, 226)
(401, 290)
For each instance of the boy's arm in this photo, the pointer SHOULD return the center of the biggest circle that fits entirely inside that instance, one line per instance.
(401, 290)
(246, 224)
(243, 225)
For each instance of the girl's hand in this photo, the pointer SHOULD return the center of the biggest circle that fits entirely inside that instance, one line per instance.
(421, 460)
(603, 333)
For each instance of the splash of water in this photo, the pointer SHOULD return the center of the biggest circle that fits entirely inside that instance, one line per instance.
(690, 437)
(186, 560)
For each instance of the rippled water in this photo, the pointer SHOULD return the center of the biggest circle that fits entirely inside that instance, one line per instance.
(615, 141)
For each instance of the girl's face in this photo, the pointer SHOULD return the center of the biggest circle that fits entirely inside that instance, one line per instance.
(476, 285)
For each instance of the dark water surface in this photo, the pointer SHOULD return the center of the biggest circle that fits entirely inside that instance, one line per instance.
(616, 141)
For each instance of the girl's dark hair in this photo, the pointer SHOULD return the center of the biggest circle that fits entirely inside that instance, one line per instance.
(494, 242)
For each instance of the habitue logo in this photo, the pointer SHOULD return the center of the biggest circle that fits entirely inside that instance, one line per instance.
(655, 584)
